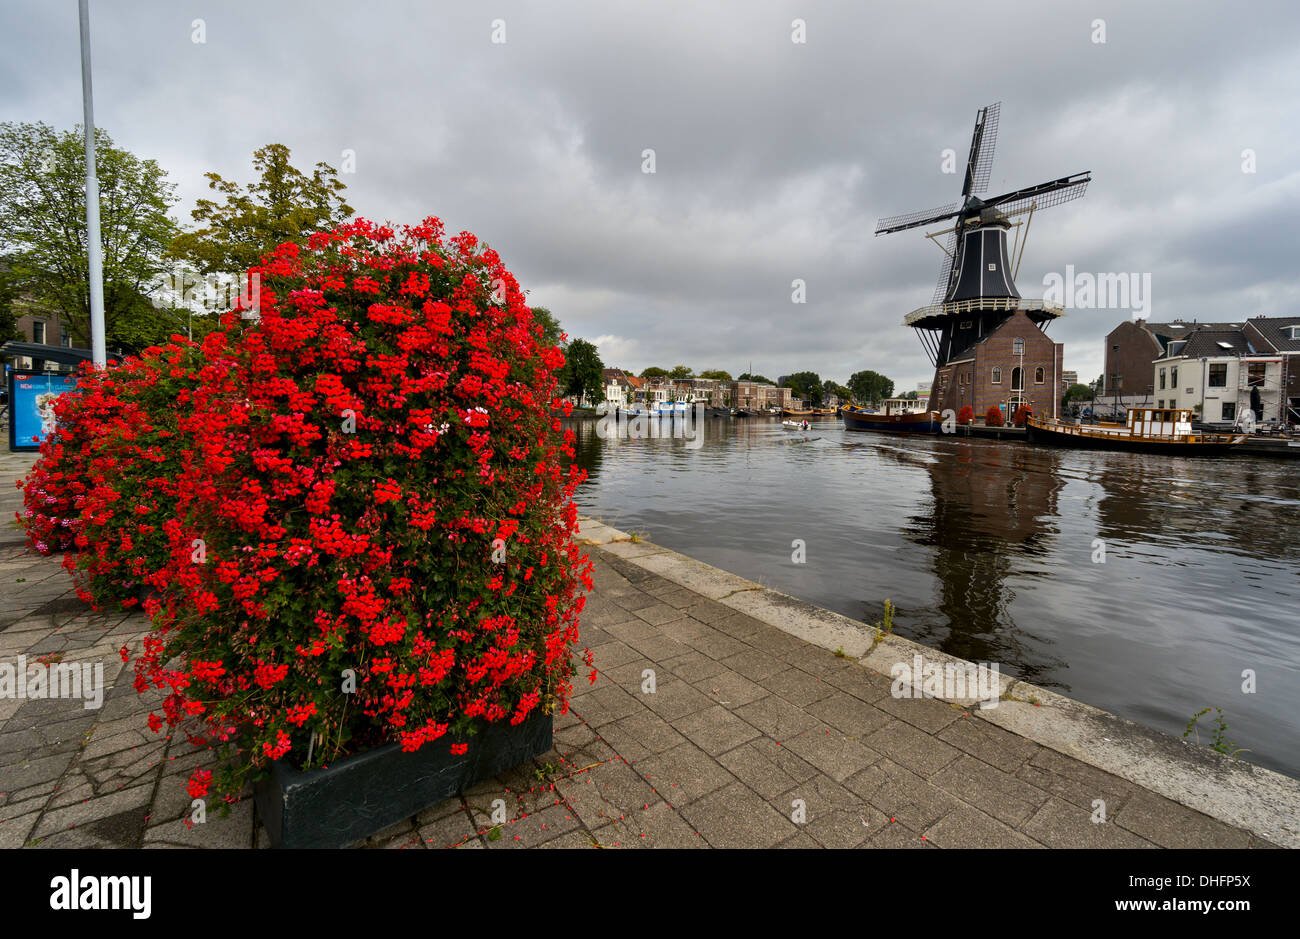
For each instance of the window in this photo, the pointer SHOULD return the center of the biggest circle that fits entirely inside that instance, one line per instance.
(965, 324)
(1173, 377)
(1219, 375)
(1162, 379)
(1292, 331)
(1040, 375)
(1017, 347)
(997, 375)
(38, 332)
(65, 337)
(1255, 374)
(1160, 403)
(1229, 410)
(1017, 378)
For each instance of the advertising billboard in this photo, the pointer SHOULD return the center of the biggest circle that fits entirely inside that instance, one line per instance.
(31, 406)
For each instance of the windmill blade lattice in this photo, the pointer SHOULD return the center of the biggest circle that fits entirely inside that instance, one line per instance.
(945, 274)
(915, 219)
(980, 163)
(1066, 189)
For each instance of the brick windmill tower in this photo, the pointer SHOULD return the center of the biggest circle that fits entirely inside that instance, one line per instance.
(987, 343)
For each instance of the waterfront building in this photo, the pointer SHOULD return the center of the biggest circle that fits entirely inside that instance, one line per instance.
(1222, 373)
(1216, 369)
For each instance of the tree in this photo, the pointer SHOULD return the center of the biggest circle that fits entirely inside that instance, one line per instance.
(8, 294)
(680, 372)
(835, 388)
(1081, 392)
(870, 387)
(654, 372)
(756, 379)
(552, 334)
(716, 374)
(584, 371)
(43, 231)
(283, 204)
(805, 385)
(909, 396)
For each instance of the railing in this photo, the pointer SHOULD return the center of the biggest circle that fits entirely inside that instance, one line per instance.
(1092, 430)
(983, 303)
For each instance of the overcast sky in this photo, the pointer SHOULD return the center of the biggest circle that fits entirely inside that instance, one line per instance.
(773, 159)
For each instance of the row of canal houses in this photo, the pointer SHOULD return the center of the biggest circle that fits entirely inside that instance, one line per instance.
(1217, 370)
(623, 389)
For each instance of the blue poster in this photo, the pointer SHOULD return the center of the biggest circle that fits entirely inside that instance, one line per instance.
(31, 406)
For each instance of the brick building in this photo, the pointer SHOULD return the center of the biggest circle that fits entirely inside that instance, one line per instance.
(1137, 350)
(1014, 364)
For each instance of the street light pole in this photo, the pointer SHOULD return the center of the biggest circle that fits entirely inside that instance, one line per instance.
(94, 251)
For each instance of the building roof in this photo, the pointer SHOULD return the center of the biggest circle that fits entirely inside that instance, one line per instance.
(1174, 330)
(1208, 343)
(1276, 332)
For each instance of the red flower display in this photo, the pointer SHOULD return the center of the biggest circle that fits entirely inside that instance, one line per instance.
(311, 500)
(993, 417)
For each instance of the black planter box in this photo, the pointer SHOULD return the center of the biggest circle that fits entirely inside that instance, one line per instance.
(365, 793)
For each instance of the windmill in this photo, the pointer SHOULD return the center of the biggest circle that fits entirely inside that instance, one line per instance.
(976, 291)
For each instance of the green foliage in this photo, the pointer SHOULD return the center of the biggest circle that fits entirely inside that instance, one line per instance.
(282, 204)
(870, 387)
(1218, 738)
(886, 626)
(43, 229)
(8, 294)
(654, 372)
(582, 370)
(552, 334)
(807, 385)
(835, 388)
(681, 371)
(758, 379)
(716, 374)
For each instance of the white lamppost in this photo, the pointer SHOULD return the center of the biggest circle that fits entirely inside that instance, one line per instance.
(94, 251)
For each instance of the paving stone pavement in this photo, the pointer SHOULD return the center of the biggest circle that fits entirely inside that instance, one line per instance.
(704, 728)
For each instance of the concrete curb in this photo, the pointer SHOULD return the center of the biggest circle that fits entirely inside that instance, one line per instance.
(1250, 797)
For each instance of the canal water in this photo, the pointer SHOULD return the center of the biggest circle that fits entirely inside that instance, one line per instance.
(992, 551)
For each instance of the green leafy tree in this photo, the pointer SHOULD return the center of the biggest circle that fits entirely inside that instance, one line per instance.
(1076, 394)
(43, 231)
(282, 204)
(716, 374)
(8, 294)
(584, 371)
(552, 334)
(680, 371)
(835, 388)
(654, 372)
(758, 379)
(870, 387)
(805, 385)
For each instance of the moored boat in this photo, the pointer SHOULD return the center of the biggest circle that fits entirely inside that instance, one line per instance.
(890, 420)
(1147, 430)
(795, 412)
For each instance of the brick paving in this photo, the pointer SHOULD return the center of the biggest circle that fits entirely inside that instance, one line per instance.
(747, 738)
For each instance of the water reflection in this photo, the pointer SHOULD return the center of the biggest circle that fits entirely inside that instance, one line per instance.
(988, 506)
